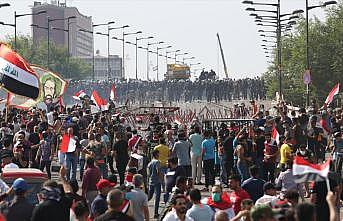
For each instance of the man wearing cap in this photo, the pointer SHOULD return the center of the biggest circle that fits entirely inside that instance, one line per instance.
(19, 209)
(99, 205)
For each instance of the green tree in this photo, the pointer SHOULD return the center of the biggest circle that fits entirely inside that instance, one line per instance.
(326, 58)
(37, 54)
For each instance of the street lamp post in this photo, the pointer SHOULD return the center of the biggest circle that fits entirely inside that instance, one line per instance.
(37, 26)
(184, 59)
(277, 20)
(123, 46)
(52, 20)
(138, 39)
(167, 52)
(186, 53)
(68, 58)
(147, 56)
(93, 58)
(278, 31)
(308, 65)
(190, 65)
(15, 24)
(157, 55)
(108, 46)
(126, 34)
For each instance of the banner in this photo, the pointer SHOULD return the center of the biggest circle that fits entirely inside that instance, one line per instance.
(53, 87)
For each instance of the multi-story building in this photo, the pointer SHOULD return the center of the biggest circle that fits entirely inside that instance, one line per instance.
(101, 66)
(80, 43)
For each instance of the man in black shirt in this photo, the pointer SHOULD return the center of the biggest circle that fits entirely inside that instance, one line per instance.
(51, 206)
(6, 151)
(115, 199)
(34, 141)
(174, 171)
(121, 154)
(258, 149)
(227, 160)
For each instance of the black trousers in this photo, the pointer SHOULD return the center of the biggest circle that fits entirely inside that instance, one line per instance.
(121, 167)
(269, 171)
(209, 172)
(110, 163)
(47, 165)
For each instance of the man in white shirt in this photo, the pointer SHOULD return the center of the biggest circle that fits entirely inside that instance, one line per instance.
(179, 210)
(269, 195)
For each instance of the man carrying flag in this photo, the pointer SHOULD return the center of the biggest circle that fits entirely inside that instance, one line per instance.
(68, 148)
(17, 76)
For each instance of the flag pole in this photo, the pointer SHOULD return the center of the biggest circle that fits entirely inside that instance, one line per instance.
(327, 184)
(7, 106)
(6, 113)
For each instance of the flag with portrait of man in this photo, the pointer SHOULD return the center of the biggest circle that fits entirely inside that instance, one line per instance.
(53, 86)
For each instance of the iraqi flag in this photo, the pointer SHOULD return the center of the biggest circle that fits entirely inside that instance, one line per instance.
(17, 76)
(303, 171)
(99, 102)
(113, 94)
(275, 135)
(333, 92)
(79, 95)
(68, 144)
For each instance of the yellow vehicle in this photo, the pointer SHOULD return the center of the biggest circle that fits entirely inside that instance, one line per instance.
(177, 72)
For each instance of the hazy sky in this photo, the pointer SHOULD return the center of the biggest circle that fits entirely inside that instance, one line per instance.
(189, 25)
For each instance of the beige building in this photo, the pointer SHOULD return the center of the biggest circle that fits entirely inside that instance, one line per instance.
(101, 66)
(81, 43)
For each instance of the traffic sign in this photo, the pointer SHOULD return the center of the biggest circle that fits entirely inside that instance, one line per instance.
(307, 77)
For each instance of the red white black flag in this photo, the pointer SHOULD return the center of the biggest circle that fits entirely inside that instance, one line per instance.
(276, 135)
(68, 144)
(17, 76)
(100, 102)
(333, 92)
(304, 171)
(79, 95)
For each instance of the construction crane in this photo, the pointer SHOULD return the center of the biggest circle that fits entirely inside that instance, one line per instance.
(222, 53)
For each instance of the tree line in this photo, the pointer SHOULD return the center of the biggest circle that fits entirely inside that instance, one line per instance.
(325, 55)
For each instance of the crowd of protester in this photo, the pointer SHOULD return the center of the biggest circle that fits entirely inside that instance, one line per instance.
(173, 91)
(244, 167)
